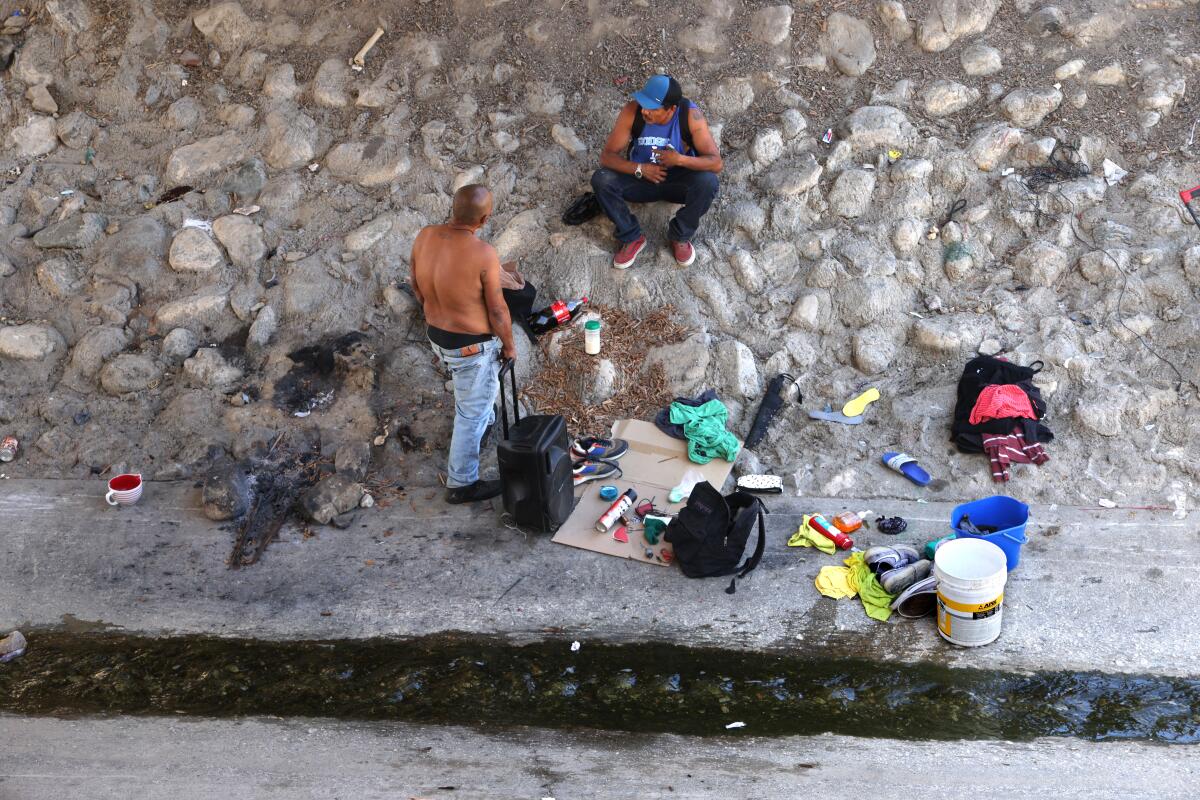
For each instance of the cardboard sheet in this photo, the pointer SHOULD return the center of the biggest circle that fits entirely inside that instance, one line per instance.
(654, 464)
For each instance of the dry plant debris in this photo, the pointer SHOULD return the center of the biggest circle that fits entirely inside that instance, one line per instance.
(565, 385)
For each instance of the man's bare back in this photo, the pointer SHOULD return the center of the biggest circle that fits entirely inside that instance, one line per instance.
(456, 276)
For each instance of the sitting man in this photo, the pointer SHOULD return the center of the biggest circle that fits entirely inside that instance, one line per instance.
(456, 279)
(659, 149)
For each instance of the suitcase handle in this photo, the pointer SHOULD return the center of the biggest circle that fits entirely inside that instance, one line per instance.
(507, 365)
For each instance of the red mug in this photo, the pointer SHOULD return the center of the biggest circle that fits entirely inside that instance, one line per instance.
(124, 490)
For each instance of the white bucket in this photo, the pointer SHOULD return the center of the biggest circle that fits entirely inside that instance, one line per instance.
(970, 594)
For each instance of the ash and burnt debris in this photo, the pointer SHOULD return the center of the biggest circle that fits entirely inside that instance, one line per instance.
(294, 475)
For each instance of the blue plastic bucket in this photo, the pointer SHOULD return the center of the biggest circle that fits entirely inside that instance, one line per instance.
(1007, 515)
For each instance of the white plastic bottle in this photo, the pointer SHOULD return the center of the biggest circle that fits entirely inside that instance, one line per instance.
(591, 337)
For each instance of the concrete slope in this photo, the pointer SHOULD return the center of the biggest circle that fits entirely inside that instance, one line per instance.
(174, 759)
(1096, 590)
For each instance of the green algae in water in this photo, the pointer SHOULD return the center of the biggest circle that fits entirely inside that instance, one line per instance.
(646, 688)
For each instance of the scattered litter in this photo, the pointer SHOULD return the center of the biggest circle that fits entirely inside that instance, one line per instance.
(684, 488)
(172, 194)
(1004, 173)
(12, 647)
(733, 725)
(301, 414)
(575, 647)
(67, 192)
(8, 448)
(246, 211)
(828, 137)
(359, 61)
(894, 154)
(1187, 195)
(367, 501)
(1104, 502)
(917, 315)
(1112, 173)
(183, 82)
(202, 224)
(314, 166)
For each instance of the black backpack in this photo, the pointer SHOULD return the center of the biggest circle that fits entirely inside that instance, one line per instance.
(685, 125)
(710, 533)
(984, 371)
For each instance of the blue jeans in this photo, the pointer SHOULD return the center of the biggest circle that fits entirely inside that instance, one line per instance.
(476, 383)
(695, 190)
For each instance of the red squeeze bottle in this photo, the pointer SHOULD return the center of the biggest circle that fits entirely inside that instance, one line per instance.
(822, 526)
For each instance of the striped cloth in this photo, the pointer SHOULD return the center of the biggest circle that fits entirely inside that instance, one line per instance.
(1011, 449)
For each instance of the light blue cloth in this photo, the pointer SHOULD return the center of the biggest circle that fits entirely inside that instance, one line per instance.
(476, 383)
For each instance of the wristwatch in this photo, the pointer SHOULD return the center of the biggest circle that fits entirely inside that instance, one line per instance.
(637, 173)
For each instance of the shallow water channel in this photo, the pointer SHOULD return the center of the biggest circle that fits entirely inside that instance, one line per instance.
(623, 687)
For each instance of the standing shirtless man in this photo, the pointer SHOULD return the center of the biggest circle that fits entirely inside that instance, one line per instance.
(456, 279)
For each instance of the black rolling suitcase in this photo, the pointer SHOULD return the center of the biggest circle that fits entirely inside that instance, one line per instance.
(535, 465)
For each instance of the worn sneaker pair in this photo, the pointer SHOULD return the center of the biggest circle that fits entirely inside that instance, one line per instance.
(897, 566)
(596, 458)
(684, 253)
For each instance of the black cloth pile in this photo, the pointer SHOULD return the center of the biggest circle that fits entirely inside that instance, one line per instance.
(997, 437)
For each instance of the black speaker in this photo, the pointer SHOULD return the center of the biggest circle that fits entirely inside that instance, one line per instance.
(535, 465)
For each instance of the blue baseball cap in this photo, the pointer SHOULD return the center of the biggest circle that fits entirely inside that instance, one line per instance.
(659, 91)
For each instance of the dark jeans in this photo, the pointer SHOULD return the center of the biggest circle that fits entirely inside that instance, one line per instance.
(696, 190)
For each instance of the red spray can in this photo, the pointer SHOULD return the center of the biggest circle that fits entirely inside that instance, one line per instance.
(616, 510)
(822, 526)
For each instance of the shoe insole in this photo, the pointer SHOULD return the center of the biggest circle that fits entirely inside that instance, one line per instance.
(829, 415)
(859, 404)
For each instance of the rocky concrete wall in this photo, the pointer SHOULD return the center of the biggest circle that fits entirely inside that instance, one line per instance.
(193, 192)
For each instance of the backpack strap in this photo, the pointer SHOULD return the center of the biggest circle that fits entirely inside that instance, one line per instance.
(756, 557)
(635, 130)
(685, 123)
(639, 125)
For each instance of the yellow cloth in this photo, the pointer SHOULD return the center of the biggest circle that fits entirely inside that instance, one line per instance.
(856, 578)
(805, 536)
(835, 582)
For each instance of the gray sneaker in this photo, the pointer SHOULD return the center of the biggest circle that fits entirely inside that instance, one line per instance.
(917, 600)
(882, 558)
(895, 581)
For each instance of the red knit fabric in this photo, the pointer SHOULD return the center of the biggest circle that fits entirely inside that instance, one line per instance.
(1012, 449)
(1000, 401)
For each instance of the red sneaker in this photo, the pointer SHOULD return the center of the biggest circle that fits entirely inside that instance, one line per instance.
(629, 252)
(685, 254)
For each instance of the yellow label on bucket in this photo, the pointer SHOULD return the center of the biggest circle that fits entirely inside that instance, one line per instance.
(970, 608)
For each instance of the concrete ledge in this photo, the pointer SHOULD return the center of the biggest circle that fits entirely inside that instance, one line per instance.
(175, 759)
(1097, 589)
